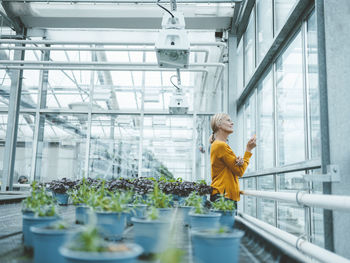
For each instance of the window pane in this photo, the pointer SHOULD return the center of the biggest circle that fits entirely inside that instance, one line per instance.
(290, 104)
(266, 207)
(282, 10)
(114, 144)
(264, 27)
(62, 148)
(250, 201)
(249, 49)
(3, 128)
(314, 103)
(24, 148)
(176, 159)
(317, 231)
(290, 218)
(250, 128)
(291, 182)
(240, 81)
(238, 128)
(265, 144)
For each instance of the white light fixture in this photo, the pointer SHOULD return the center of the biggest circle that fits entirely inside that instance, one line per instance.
(172, 46)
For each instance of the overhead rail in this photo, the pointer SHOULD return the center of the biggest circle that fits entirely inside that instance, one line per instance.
(99, 63)
(331, 202)
(206, 51)
(53, 42)
(122, 1)
(300, 243)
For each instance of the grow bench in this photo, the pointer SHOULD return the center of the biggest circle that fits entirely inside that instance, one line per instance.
(12, 250)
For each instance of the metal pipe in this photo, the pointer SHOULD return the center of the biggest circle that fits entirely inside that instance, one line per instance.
(331, 202)
(99, 63)
(98, 68)
(53, 42)
(304, 246)
(122, 1)
(93, 49)
(287, 248)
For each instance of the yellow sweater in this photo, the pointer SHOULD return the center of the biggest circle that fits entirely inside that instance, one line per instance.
(224, 171)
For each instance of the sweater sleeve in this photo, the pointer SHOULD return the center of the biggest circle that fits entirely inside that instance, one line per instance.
(229, 158)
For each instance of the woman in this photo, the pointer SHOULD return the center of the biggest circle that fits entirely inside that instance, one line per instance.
(226, 168)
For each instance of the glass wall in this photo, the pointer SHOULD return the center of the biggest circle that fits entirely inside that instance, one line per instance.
(250, 126)
(114, 146)
(61, 147)
(265, 120)
(283, 110)
(266, 207)
(282, 11)
(249, 49)
(24, 149)
(290, 104)
(313, 92)
(264, 28)
(240, 67)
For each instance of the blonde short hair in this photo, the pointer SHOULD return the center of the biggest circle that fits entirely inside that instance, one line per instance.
(215, 123)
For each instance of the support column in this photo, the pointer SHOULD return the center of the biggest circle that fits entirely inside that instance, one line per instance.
(333, 17)
(12, 124)
(38, 146)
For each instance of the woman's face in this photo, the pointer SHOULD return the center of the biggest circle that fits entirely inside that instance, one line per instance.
(226, 124)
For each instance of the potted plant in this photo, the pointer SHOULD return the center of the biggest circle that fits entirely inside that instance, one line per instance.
(227, 210)
(202, 218)
(161, 201)
(89, 246)
(216, 245)
(39, 208)
(151, 232)
(43, 215)
(186, 207)
(111, 211)
(138, 207)
(59, 190)
(80, 198)
(48, 238)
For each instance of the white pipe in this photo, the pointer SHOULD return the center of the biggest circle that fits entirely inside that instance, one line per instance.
(52, 42)
(123, 1)
(285, 247)
(332, 202)
(304, 246)
(97, 68)
(100, 63)
(92, 49)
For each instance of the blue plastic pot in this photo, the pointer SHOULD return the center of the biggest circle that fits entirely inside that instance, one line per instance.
(227, 217)
(111, 257)
(208, 247)
(62, 199)
(112, 224)
(138, 211)
(29, 221)
(46, 243)
(151, 235)
(82, 214)
(204, 221)
(27, 212)
(165, 213)
(184, 211)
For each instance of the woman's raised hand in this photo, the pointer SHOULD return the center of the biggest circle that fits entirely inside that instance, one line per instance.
(251, 143)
